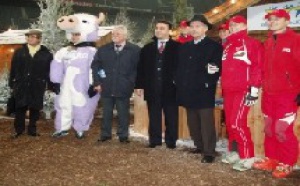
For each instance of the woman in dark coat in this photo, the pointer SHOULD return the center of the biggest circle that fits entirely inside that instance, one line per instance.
(29, 76)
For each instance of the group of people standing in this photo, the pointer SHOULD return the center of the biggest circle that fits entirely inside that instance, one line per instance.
(169, 73)
(247, 68)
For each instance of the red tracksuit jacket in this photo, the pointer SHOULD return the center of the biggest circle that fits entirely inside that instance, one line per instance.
(281, 68)
(183, 39)
(241, 62)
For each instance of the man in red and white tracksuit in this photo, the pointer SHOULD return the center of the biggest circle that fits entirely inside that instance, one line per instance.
(281, 85)
(223, 32)
(184, 30)
(241, 79)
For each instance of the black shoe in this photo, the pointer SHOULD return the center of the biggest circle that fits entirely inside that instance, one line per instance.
(103, 139)
(207, 159)
(124, 140)
(34, 134)
(195, 151)
(171, 146)
(16, 135)
(153, 145)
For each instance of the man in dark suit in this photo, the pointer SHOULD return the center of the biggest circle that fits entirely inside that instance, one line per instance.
(114, 72)
(155, 79)
(29, 76)
(197, 75)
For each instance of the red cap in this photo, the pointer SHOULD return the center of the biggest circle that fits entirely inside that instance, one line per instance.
(238, 19)
(224, 26)
(183, 24)
(278, 13)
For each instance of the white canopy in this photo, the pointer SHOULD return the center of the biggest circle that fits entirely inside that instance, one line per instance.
(13, 37)
(18, 36)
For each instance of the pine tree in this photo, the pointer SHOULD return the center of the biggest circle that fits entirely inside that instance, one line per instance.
(51, 10)
(53, 37)
(122, 18)
(4, 88)
(148, 34)
(182, 11)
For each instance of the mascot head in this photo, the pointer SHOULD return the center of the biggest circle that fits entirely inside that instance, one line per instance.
(84, 25)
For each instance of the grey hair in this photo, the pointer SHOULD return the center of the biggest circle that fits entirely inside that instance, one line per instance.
(122, 28)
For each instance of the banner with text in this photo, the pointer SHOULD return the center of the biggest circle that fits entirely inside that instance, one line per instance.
(256, 15)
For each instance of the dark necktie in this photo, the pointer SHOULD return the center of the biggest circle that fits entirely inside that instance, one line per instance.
(117, 48)
(161, 48)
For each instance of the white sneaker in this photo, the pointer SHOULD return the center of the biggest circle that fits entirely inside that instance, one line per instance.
(221, 145)
(79, 135)
(231, 158)
(296, 167)
(244, 164)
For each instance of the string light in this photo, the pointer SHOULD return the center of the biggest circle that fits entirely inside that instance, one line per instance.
(215, 11)
(232, 1)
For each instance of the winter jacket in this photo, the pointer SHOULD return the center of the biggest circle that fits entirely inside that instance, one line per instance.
(195, 87)
(146, 78)
(116, 72)
(29, 76)
(183, 39)
(241, 62)
(281, 69)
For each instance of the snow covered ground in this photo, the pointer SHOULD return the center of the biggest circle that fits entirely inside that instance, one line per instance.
(221, 145)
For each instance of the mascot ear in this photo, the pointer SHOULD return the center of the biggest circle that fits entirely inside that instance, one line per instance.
(101, 18)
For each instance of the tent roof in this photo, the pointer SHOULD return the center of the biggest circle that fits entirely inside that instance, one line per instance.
(18, 36)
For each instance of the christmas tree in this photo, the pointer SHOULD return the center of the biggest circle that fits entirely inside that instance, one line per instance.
(123, 19)
(53, 37)
(182, 11)
(147, 37)
(48, 104)
(4, 88)
(51, 10)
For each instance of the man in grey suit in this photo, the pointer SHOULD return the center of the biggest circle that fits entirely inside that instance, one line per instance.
(114, 72)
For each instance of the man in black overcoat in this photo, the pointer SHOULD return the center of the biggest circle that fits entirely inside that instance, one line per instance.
(155, 79)
(196, 79)
(29, 76)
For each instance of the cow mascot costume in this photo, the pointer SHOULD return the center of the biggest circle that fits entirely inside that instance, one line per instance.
(70, 71)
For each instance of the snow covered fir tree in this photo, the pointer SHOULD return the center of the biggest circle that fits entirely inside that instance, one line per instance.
(122, 18)
(4, 88)
(148, 34)
(182, 11)
(51, 10)
(53, 37)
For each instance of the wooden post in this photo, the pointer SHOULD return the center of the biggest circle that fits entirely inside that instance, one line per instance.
(257, 125)
(183, 130)
(297, 122)
(141, 120)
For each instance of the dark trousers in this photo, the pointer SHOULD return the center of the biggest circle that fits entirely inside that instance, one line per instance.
(19, 122)
(122, 105)
(202, 129)
(155, 109)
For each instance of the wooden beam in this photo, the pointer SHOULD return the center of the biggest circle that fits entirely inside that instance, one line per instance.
(227, 9)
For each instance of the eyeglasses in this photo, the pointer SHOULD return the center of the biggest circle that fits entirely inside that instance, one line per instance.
(33, 36)
(76, 34)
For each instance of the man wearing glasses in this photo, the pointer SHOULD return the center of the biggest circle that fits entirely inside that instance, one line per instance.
(28, 79)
